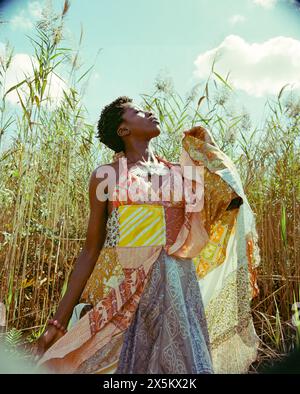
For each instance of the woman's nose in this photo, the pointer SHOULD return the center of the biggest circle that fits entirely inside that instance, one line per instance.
(149, 113)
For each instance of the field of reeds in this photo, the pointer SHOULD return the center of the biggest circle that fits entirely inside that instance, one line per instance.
(52, 150)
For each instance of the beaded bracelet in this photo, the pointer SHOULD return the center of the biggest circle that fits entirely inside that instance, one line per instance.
(57, 324)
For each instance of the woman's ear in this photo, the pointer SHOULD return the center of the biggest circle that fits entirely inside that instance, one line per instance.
(123, 131)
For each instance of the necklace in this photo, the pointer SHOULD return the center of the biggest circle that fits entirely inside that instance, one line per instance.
(146, 168)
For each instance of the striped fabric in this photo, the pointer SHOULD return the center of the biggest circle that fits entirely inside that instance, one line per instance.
(142, 225)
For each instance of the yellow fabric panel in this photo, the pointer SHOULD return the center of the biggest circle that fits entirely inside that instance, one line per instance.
(214, 253)
(142, 225)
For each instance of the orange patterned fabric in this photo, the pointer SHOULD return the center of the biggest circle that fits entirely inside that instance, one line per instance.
(174, 219)
(107, 272)
(132, 284)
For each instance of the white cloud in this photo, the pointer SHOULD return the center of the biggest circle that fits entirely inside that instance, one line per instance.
(19, 69)
(257, 68)
(20, 21)
(35, 9)
(234, 19)
(268, 4)
(23, 20)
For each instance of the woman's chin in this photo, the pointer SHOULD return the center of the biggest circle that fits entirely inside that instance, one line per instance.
(157, 129)
(156, 133)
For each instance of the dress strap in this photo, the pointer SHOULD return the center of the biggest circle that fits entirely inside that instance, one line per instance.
(164, 161)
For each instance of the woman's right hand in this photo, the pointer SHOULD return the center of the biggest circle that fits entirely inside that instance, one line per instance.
(46, 340)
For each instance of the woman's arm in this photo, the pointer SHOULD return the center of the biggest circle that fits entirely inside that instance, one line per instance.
(88, 256)
(83, 267)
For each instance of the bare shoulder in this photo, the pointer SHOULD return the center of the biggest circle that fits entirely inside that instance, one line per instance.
(101, 178)
(103, 171)
(99, 175)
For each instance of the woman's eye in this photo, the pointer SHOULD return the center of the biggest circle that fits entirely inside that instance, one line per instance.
(139, 111)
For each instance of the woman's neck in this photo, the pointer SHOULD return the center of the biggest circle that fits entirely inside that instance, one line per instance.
(140, 151)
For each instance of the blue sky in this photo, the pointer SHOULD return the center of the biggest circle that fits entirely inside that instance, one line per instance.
(259, 40)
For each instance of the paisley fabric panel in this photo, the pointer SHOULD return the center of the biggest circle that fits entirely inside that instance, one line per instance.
(168, 334)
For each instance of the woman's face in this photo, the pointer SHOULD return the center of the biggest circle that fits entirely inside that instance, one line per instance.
(142, 124)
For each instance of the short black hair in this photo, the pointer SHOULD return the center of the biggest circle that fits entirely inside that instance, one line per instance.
(109, 121)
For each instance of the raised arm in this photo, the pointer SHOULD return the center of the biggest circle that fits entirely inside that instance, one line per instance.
(83, 267)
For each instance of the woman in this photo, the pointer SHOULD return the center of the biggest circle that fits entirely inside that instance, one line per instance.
(145, 259)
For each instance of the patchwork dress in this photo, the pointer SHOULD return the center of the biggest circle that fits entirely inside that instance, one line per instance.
(172, 288)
